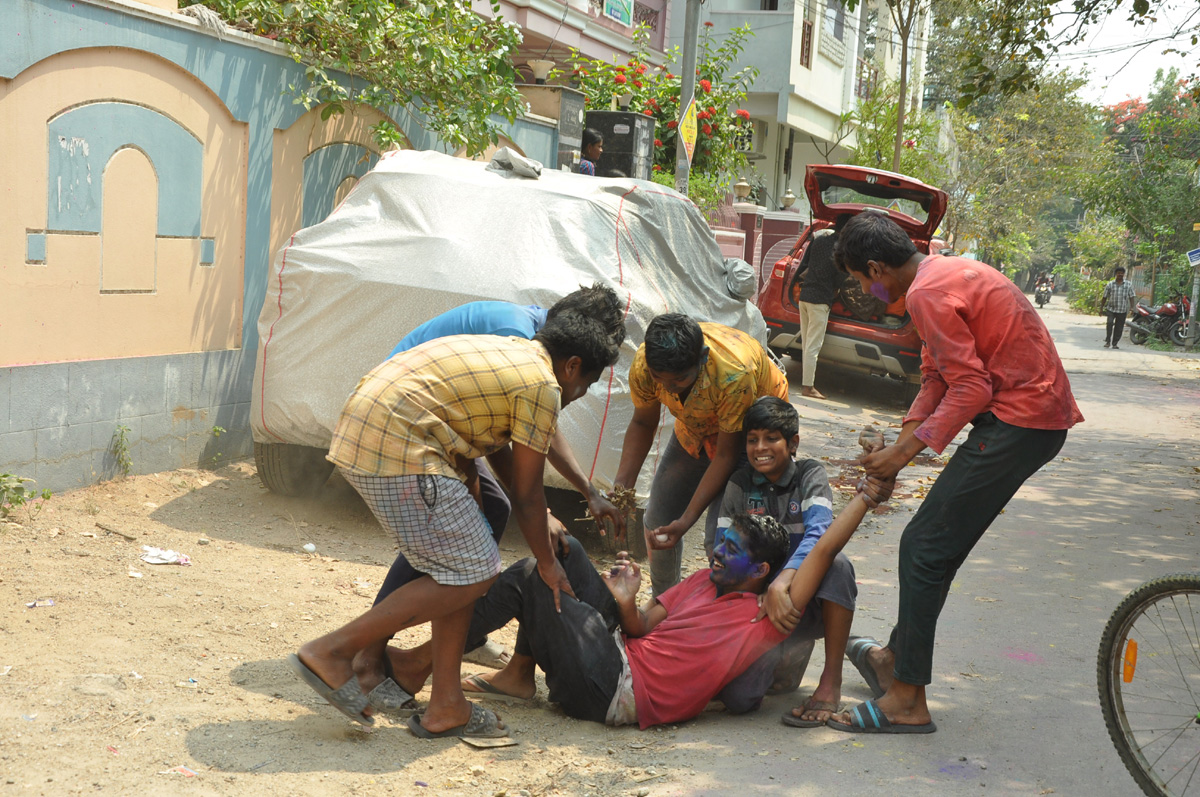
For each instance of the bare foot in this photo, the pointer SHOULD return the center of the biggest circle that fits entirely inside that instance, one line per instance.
(443, 717)
(882, 661)
(811, 392)
(335, 672)
(411, 668)
(515, 679)
(813, 709)
(506, 686)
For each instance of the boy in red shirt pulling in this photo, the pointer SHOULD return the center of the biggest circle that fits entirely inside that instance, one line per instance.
(988, 360)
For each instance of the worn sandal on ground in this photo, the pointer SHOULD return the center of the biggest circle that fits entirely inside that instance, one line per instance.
(869, 718)
(347, 698)
(482, 688)
(856, 651)
(793, 721)
(489, 654)
(484, 724)
(391, 699)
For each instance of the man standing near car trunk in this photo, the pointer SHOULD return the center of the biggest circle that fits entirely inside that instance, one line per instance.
(819, 286)
(988, 360)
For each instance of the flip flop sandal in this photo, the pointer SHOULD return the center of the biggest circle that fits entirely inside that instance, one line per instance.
(856, 651)
(484, 724)
(869, 718)
(489, 654)
(483, 689)
(391, 699)
(347, 698)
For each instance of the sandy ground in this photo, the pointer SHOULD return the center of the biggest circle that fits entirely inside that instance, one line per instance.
(138, 669)
(168, 679)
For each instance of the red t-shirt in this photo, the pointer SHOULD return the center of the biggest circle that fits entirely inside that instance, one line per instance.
(986, 349)
(704, 642)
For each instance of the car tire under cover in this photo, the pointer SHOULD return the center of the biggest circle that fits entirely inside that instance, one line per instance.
(297, 471)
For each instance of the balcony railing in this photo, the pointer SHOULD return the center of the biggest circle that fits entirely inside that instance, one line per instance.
(866, 80)
(806, 41)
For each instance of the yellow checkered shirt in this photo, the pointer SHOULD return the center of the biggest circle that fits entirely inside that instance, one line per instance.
(737, 372)
(464, 394)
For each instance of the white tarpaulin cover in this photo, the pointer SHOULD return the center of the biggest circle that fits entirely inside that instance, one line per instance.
(423, 233)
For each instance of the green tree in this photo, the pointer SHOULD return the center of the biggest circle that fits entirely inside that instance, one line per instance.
(1149, 182)
(1014, 168)
(877, 120)
(1008, 45)
(446, 65)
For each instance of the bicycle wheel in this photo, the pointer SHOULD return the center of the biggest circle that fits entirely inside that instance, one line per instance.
(1148, 672)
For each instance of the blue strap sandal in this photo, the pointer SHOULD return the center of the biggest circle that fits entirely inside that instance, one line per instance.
(869, 718)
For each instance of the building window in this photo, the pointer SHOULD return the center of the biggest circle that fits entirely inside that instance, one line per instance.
(835, 19)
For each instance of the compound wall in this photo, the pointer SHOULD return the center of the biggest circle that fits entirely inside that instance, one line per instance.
(152, 169)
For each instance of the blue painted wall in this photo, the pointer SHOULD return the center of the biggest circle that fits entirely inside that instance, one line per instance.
(75, 184)
(57, 421)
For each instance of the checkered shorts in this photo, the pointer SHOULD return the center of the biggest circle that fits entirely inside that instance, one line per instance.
(437, 524)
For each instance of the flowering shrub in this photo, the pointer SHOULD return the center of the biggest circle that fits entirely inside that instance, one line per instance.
(655, 90)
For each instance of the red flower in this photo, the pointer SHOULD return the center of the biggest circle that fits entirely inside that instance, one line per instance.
(701, 115)
(670, 76)
(619, 68)
(712, 111)
(657, 168)
(672, 124)
(637, 83)
(706, 85)
(910, 143)
(743, 114)
(641, 69)
(708, 24)
(658, 142)
(653, 103)
(707, 130)
(619, 78)
(648, 112)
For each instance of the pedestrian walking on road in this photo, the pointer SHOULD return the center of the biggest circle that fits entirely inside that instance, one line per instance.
(988, 360)
(1118, 298)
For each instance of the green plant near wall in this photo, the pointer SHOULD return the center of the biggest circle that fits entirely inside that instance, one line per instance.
(120, 449)
(215, 459)
(450, 68)
(14, 494)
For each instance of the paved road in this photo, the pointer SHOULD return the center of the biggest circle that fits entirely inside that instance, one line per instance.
(1015, 672)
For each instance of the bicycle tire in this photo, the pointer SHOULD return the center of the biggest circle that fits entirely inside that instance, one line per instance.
(1163, 617)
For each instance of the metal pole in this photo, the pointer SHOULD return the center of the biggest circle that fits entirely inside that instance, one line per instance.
(1193, 326)
(687, 90)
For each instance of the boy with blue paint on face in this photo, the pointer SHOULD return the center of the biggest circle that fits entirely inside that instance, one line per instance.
(797, 494)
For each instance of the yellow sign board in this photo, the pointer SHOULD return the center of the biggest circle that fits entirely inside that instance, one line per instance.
(687, 128)
(1196, 227)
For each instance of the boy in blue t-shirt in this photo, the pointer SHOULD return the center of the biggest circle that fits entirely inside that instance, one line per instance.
(797, 494)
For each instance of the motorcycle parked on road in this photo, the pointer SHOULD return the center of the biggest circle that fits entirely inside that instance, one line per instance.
(1167, 322)
(1042, 294)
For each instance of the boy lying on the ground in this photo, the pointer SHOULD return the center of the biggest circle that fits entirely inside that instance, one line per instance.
(608, 661)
